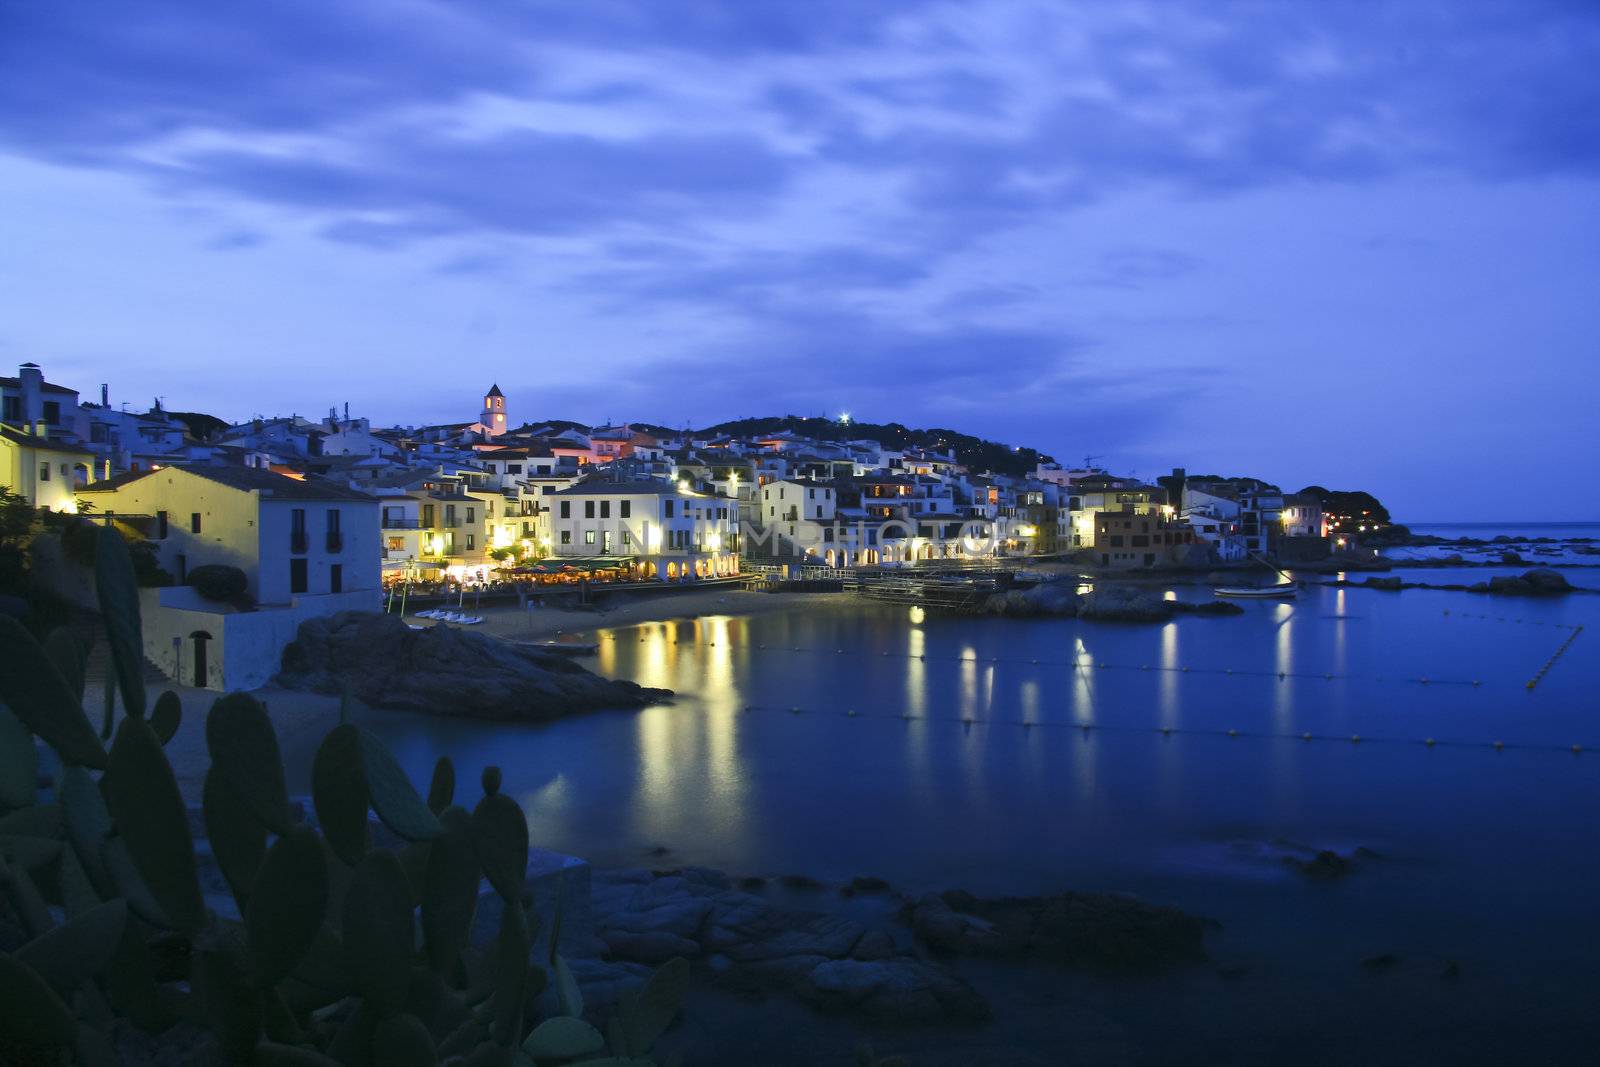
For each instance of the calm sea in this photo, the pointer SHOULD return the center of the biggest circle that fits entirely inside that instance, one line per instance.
(966, 763)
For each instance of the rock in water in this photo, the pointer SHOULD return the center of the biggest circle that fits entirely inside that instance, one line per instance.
(1124, 603)
(1043, 599)
(1541, 581)
(445, 671)
(1545, 580)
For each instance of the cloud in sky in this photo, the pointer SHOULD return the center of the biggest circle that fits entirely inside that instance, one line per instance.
(1161, 231)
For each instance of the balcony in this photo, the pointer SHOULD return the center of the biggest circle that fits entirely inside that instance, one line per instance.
(401, 524)
(335, 541)
(297, 542)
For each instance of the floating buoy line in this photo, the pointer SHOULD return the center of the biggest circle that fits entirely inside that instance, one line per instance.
(1519, 622)
(1087, 729)
(1538, 675)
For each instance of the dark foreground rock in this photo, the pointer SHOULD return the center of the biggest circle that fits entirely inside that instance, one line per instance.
(1095, 931)
(445, 671)
(754, 945)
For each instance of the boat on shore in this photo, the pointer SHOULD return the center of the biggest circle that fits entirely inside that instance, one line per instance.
(1259, 592)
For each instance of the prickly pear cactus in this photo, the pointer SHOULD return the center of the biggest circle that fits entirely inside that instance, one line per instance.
(327, 963)
(500, 835)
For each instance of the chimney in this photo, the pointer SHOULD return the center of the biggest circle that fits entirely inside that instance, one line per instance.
(105, 396)
(31, 380)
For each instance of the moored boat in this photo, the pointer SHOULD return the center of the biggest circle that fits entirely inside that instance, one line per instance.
(1259, 592)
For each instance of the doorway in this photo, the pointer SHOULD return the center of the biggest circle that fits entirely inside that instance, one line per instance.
(201, 640)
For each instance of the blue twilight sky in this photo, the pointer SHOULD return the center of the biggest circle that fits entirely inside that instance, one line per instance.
(1346, 242)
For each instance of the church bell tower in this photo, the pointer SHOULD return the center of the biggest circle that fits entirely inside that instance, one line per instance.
(494, 411)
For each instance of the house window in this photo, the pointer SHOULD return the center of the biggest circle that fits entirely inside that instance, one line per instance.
(161, 525)
(472, 542)
(470, 517)
(52, 412)
(297, 529)
(588, 509)
(625, 509)
(297, 576)
(566, 537)
(605, 509)
(627, 538)
(513, 468)
(566, 509)
(336, 578)
(588, 537)
(335, 531)
(194, 522)
(44, 472)
(666, 508)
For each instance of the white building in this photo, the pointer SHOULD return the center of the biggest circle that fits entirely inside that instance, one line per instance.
(306, 547)
(670, 531)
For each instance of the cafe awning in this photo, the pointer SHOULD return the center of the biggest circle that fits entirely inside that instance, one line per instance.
(576, 565)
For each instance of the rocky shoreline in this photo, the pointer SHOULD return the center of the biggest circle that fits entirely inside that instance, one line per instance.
(891, 965)
(1539, 582)
(444, 670)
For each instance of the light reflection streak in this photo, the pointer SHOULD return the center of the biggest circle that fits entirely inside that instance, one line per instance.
(1283, 662)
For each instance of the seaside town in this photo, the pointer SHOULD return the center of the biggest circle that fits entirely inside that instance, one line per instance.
(328, 514)
(798, 533)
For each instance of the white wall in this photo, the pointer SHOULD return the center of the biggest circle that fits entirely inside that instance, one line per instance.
(246, 647)
(361, 555)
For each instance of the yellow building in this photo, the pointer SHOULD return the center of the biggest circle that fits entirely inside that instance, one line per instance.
(46, 472)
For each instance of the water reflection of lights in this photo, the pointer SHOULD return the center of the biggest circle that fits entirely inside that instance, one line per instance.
(916, 706)
(1339, 632)
(968, 683)
(1283, 693)
(1082, 692)
(917, 674)
(1168, 699)
(692, 746)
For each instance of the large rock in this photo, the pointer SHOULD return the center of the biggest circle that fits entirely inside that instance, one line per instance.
(1058, 598)
(445, 671)
(1097, 931)
(1545, 580)
(1124, 603)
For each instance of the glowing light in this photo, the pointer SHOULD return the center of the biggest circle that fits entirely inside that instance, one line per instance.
(844, 418)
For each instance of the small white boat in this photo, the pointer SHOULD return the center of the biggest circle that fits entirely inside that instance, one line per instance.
(1259, 592)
